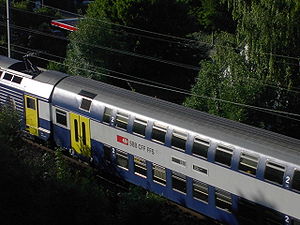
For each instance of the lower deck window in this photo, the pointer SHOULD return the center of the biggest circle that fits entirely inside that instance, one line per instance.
(200, 190)
(122, 159)
(223, 199)
(296, 180)
(296, 222)
(247, 212)
(272, 217)
(140, 167)
(61, 117)
(179, 182)
(159, 174)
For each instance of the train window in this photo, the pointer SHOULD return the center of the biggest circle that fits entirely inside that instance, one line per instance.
(122, 159)
(107, 115)
(271, 217)
(178, 161)
(140, 167)
(30, 103)
(248, 163)
(61, 117)
(7, 76)
(178, 140)
(274, 172)
(159, 174)
(223, 199)
(200, 190)
(200, 169)
(179, 182)
(223, 155)
(296, 180)
(17, 79)
(76, 130)
(200, 147)
(295, 222)
(86, 104)
(83, 133)
(107, 153)
(247, 212)
(122, 121)
(159, 133)
(139, 127)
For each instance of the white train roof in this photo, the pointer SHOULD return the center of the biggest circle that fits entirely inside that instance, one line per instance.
(222, 130)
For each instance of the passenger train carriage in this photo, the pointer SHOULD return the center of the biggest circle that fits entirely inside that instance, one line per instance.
(229, 171)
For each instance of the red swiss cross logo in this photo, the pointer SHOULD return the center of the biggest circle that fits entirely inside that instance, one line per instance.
(122, 140)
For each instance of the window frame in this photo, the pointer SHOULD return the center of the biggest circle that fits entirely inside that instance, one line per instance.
(86, 102)
(223, 197)
(201, 142)
(248, 157)
(162, 180)
(274, 166)
(226, 150)
(159, 128)
(8, 74)
(179, 135)
(141, 122)
(61, 112)
(120, 124)
(202, 190)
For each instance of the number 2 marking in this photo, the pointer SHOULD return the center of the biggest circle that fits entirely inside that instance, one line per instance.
(287, 180)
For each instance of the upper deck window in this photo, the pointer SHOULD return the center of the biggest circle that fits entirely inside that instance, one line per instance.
(7, 76)
(139, 127)
(223, 155)
(296, 180)
(86, 104)
(200, 147)
(122, 120)
(274, 172)
(17, 79)
(248, 163)
(159, 133)
(178, 140)
(107, 115)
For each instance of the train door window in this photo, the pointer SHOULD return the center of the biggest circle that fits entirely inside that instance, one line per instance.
(30, 103)
(178, 140)
(223, 156)
(296, 180)
(248, 163)
(139, 127)
(17, 79)
(159, 174)
(200, 147)
(274, 172)
(122, 121)
(140, 167)
(107, 153)
(295, 222)
(61, 117)
(179, 182)
(122, 159)
(159, 133)
(7, 76)
(223, 199)
(200, 190)
(86, 104)
(107, 115)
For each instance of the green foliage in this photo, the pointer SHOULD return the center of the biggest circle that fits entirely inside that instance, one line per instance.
(9, 124)
(62, 169)
(56, 66)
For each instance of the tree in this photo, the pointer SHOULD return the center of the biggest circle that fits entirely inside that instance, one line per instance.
(105, 39)
(266, 33)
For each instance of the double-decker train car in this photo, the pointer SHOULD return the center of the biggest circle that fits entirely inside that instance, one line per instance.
(226, 170)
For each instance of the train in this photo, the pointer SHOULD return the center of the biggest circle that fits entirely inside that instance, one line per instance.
(226, 170)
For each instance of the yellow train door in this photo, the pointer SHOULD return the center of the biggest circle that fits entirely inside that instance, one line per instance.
(80, 134)
(31, 115)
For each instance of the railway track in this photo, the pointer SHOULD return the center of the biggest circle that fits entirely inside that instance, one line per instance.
(111, 181)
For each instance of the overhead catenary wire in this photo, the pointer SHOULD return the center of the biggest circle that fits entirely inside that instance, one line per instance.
(297, 58)
(154, 82)
(261, 109)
